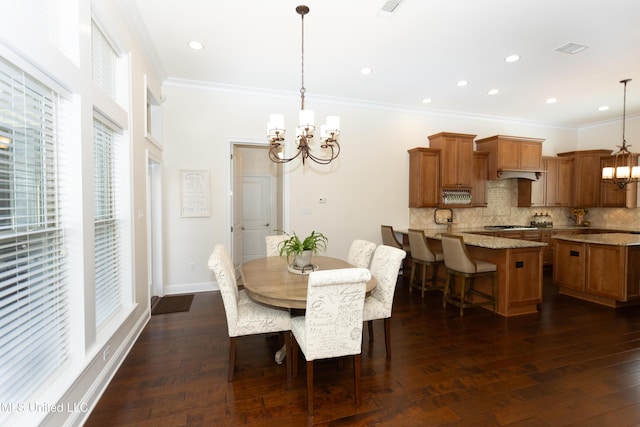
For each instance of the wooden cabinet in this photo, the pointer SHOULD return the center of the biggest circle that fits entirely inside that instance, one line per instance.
(569, 264)
(602, 273)
(587, 176)
(553, 188)
(456, 156)
(559, 178)
(547, 237)
(613, 197)
(532, 193)
(479, 184)
(511, 153)
(424, 172)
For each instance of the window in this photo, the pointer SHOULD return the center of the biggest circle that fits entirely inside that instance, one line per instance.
(107, 229)
(106, 66)
(110, 177)
(34, 318)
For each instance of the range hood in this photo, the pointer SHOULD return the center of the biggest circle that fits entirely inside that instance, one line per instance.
(510, 174)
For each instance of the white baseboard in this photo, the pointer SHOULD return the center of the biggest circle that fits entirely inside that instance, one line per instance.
(188, 288)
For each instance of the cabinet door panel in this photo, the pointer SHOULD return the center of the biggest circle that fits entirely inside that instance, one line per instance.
(605, 271)
(531, 156)
(568, 264)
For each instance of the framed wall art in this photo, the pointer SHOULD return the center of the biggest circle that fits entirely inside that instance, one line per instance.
(196, 193)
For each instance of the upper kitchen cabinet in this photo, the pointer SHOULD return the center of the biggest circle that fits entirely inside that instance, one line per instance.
(456, 156)
(558, 181)
(552, 189)
(479, 186)
(511, 154)
(587, 176)
(613, 197)
(424, 173)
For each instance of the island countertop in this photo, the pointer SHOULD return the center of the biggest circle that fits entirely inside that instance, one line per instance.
(613, 239)
(488, 242)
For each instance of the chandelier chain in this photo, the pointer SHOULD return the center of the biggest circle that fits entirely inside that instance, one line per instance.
(302, 88)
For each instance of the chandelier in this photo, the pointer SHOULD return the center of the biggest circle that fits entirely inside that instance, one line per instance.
(329, 133)
(625, 169)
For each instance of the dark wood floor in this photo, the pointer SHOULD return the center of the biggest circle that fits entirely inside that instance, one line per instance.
(574, 363)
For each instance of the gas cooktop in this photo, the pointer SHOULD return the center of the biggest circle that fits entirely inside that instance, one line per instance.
(509, 227)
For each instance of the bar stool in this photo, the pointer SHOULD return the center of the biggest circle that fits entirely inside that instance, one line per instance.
(421, 254)
(460, 264)
(389, 239)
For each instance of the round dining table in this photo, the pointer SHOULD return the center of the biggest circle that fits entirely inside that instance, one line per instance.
(272, 281)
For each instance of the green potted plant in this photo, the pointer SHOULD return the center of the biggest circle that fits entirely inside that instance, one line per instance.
(303, 250)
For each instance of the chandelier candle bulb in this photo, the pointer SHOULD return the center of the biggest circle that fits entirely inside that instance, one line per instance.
(622, 172)
(306, 119)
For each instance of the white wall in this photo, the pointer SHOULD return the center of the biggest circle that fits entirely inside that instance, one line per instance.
(365, 187)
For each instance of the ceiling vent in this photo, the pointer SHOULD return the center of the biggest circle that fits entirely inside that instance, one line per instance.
(389, 7)
(571, 48)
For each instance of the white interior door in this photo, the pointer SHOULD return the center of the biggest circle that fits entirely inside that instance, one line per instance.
(237, 165)
(257, 215)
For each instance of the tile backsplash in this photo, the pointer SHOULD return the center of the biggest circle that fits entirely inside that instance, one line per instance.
(502, 209)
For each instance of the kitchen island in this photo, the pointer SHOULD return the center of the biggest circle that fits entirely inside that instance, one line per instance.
(519, 265)
(601, 268)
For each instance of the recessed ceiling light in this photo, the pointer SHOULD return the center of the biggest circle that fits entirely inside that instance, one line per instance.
(462, 83)
(365, 71)
(512, 58)
(551, 100)
(493, 92)
(196, 45)
(603, 108)
(426, 100)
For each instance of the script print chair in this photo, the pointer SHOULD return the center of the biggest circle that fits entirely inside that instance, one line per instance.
(384, 268)
(244, 317)
(460, 265)
(389, 239)
(360, 253)
(422, 255)
(273, 243)
(332, 324)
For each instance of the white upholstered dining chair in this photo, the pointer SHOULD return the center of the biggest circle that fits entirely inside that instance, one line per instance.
(384, 268)
(244, 317)
(360, 253)
(273, 243)
(332, 324)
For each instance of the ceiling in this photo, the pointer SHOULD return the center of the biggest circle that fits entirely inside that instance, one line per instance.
(420, 50)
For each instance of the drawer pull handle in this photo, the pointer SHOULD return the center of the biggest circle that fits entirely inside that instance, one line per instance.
(574, 253)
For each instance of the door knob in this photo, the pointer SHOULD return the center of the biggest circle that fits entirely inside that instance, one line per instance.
(266, 225)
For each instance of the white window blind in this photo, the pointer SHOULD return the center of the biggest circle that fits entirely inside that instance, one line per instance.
(34, 320)
(108, 253)
(106, 65)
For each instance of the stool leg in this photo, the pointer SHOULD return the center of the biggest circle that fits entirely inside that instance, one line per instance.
(434, 275)
(413, 272)
(445, 292)
(463, 290)
(424, 275)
